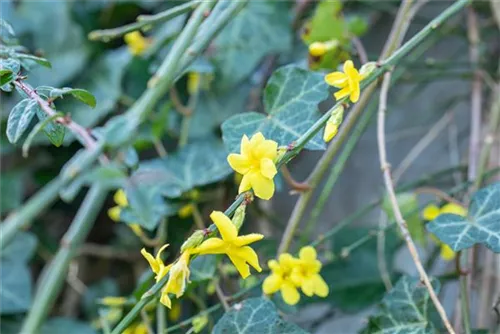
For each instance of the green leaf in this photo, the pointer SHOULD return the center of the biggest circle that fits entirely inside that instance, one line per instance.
(11, 183)
(408, 204)
(405, 310)
(38, 60)
(8, 70)
(80, 94)
(326, 24)
(15, 290)
(20, 118)
(355, 281)
(482, 225)
(55, 132)
(21, 248)
(291, 100)
(203, 267)
(196, 164)
(261, 28)
(39, 127)
(255, 315)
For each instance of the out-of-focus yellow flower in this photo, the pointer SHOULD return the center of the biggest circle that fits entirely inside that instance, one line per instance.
(113, 301)
(160, 269)
(186, 211)
(431, 212)
(193, 82)
(281, 279)
(137, 43)
(289, 274)
(179, 275)
(120, 199)
(136, 328)
(175, 312)
(306, 274)
(333, 123)
(234, 246)
(257, 165)
(348, 82)
(318, 49)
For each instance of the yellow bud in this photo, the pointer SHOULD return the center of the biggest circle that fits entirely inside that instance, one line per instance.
(113, 301)
(239, 216)
(186, 211)
(114, 213)
(120, 198)
(317, 49)
(193, 241)
(330, 131)
(193, 82)
(211, 288)
(367, 69)
(199, 322)
(333, 123)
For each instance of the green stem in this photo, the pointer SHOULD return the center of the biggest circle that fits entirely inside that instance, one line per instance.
(464, 301)
(52, 279)
(143, 21)
(23, 218)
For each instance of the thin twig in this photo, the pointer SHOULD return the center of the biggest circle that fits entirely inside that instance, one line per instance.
(439, 194)
(360, 49)
(295, 185)
(386, 169)
(222, 297)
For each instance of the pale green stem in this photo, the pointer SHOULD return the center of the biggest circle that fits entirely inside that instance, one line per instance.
(143, 21)
(52, 279)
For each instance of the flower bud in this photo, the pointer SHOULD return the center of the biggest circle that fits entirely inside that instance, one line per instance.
(333, 123)
(317, 49)
(367, 69)
(193, 241)
(113, 301)
(239, 216)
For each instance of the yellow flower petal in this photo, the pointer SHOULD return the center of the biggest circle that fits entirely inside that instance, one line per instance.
(342, 93)
(274, 266)
(289, 293)
(211, 246)
(262, 186)
(114, 213)
(331, 130)
(336, 79)
(247, 239)
(355, 92)
(165, 300)
(152, 262)
(447, 253)
(268, 168)
(120, 198)
(454, 208)
(257, 139)
(245, 184)
(225, 226)
(430, 212)
(158, 255)
(239, 163)
(248, 254)
(307, 286)
(271, 284)
(308, 254)
(348, 67)
(266, 149)
(141, 329)
(245, 146)
(320, 287)
(240, 265)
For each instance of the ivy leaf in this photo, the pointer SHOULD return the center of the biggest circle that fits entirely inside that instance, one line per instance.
(291, 100)
(55, 132)
(196, 164)
(255, 315)
(405, 309)
(261, 28)
(482, 225)
(203, 267)
(20, 118)
(15, 290)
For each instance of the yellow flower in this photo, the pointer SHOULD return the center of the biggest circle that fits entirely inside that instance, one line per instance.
(179, 275)
(431, 212)
(348, 81)
(160, 269)
(234, 246)
(120, 199)
(318, 49)
(193, 82)
(306, 274)
(137, 328)
(186, 211)
(256, 164)
(113, 301)
(137, 43)
(281, 280)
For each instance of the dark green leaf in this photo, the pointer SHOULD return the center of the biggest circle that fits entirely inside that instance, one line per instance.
(196, 164)
(20, 118)
(203, 267)
(255, 315)
(405, 310)
(41, 126)
(482, 225)
(21, 248)
(54, 131)
(15, 290)
(80, 94)
(6, 77)
(261, 28)
(291, 99)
